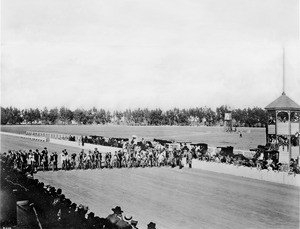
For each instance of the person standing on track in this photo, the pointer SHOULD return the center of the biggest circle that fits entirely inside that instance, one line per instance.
(52, 163)
(82, 140)
(97, 158)
(31, 161)
(63, 160)
(73, 161)
(189, 158)
(79, 140)
(80, 160)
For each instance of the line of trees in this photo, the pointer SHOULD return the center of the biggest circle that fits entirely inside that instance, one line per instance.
(250, 117)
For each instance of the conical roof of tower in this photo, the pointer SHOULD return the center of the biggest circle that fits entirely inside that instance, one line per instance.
(283, 103)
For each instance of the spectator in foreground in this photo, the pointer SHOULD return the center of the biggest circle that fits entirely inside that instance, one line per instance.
(151, 225)
(116, 216)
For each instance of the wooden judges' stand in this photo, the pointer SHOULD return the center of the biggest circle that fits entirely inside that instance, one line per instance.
(284, 127)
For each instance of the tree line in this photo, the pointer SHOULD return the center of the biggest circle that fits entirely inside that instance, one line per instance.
(248, 117)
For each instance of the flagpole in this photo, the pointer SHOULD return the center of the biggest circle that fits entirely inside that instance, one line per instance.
(283, 71)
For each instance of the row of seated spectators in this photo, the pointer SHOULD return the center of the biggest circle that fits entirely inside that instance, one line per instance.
(53, 209)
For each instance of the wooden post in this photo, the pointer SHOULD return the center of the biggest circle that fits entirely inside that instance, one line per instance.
(276, 133)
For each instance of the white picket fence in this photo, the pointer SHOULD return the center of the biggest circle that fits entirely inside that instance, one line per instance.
(35, 138)
(31, 137)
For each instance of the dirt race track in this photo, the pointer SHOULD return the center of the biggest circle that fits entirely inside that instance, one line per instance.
(187, 198)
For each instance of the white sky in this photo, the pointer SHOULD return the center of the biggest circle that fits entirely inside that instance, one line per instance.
(122, 54)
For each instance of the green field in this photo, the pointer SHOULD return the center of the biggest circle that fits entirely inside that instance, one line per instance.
(213, 136)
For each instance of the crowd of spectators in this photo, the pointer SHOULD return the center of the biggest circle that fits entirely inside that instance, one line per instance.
(143, 153)
(53, 209)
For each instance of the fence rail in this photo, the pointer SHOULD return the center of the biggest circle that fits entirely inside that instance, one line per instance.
(253, 173)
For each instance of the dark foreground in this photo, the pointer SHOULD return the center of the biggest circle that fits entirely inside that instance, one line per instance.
(184, 198)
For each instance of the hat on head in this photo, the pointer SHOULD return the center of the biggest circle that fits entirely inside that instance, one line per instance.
(41, 184)
(52, 189)
(68, 201)
(117, 209)
(91, 215)
(82, 207)
(151, 225)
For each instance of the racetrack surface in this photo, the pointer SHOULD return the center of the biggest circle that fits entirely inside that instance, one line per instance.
(186, 198)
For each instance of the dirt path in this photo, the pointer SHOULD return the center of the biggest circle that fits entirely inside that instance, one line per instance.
(184, 198)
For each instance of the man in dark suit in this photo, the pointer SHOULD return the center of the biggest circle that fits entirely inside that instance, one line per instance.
(52, 160)
(151, 225)
(116, 216)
